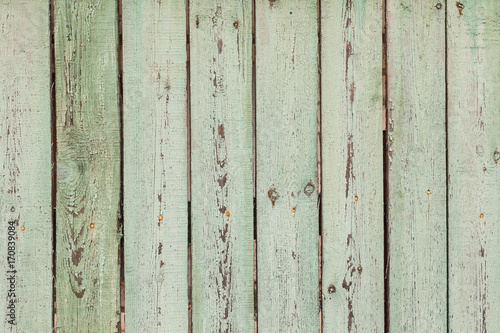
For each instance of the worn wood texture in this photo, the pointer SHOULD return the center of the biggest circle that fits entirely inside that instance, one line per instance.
(88, 166)
(474, 168)
(221, 152)
(416, 150)
(155, 166)
(25, 162)
(287, 179)
(352, 188)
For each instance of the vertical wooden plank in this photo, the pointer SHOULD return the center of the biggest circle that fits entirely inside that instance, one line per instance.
(25, 177)
(417, 166)
(352, 189)
(287, 179)
(88, 166)
(221, 143)
(474, 169)
(155, 166)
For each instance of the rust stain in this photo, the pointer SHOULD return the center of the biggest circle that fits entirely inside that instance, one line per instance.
(460, 7)
(273, 195)
(236, 24)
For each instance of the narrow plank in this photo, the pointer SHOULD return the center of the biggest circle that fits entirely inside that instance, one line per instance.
(88, 166)
(352, 156)
(155, 166)
(221, 143)
(416, 53)
(287, 177)
(474, 172)
(26, 172)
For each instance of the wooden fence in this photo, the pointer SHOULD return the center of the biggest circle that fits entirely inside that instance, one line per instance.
(231, 166)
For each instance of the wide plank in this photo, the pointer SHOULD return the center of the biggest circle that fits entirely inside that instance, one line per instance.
(88, 166)
(416, 92)
(352, 166)
(155, 166)
(287, 177)
(474, 169)
(26, 167)
(221, 166)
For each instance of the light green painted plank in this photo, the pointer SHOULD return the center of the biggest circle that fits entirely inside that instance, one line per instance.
(474, 168)
(88, 166)
(222, 190)
(417, 166)
(25, 162)
(352, 168)
(155, 166)
(287, 179)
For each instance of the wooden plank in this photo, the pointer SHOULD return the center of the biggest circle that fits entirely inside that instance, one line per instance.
(155, 166)
(26, 176)
(352, 189)
(287, 177)
(417, 166)
(221, 143)
(474, 172)
(88, 166)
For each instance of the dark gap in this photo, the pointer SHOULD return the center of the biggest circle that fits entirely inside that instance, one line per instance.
(320, 179)
(254, 146)
(53, 129)
(188, 121)
(120, 226)
(447, 167)
(385, 168)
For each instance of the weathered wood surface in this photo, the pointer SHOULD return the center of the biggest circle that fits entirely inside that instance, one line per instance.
(88, 166)
(25, 162)
(155, 166)
(287, 180)
(474, 168)
(416, 94)
(352, 166)
(221, 167)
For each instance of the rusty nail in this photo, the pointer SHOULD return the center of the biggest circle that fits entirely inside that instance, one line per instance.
(360, 269)
(228, 214)
(22, 228)
(293, 210)
(236, 24)
(481, 216)
(356, 198)
(160, 218)
(428, 192)
(92, 225)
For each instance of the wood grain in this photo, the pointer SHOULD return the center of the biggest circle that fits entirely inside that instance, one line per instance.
(352, 166)
(25, 162)
(474, 172)
(155, 166)
(287, 179)
(88, 166)
(221, 155)
(417, 166)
